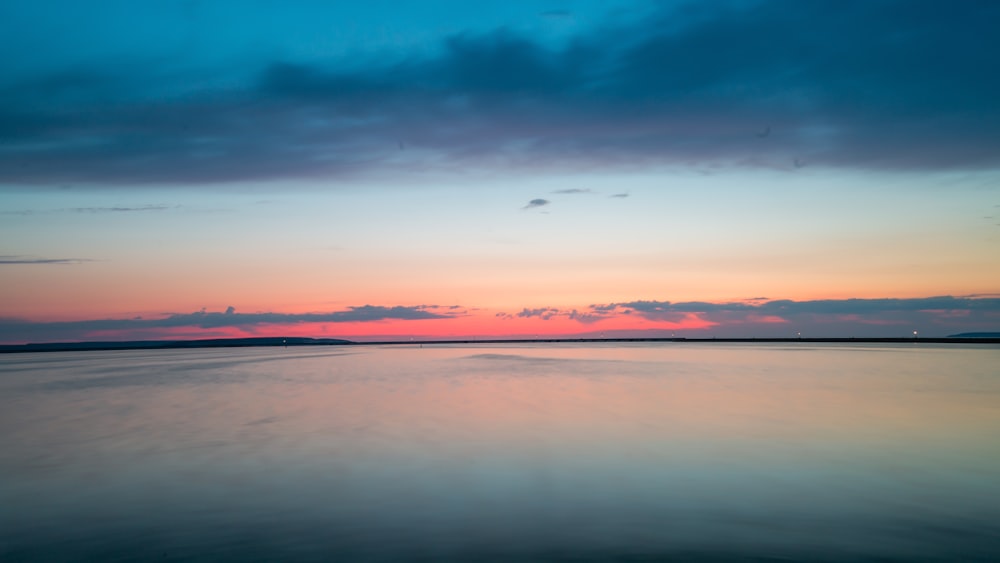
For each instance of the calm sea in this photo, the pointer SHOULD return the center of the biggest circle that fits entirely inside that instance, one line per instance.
(616, 452)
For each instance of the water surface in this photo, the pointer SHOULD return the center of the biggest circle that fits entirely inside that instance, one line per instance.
(631, 452)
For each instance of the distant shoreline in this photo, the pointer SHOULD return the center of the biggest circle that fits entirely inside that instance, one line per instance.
(298, 341)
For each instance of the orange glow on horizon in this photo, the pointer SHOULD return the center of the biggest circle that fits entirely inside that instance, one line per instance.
(481, 325)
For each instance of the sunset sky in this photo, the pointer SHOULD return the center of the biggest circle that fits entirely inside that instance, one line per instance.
(445, 168)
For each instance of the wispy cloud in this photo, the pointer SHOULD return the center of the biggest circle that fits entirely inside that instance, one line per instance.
(556, 14)
(12, 260)
(574, 191)
(93, 210)
(885, 84)
(120, 209)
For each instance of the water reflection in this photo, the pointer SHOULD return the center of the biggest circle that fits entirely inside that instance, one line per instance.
(505, 452)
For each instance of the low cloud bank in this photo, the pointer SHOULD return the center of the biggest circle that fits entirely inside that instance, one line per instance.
(930, 316)
(17, 330)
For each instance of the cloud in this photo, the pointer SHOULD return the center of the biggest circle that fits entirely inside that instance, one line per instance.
(544, 313)
(22, 330)
(547, 313)
(536, 203)
(11, 260)
(787, 307)
(777, 317)
(574, 191)
(119, 209)
(833, 317)
(932, 316)
(621, 195)
(556, 14)
(586, 318)
(884, 84)
(364, 313)
(113, 209)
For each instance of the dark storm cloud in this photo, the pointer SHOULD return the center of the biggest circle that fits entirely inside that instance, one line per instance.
(888, 84)
(22, 330)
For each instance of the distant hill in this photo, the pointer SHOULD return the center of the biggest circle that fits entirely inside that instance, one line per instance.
(172, 344)
(975, 335)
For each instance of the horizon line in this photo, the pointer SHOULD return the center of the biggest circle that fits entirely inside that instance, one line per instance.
(298, 341)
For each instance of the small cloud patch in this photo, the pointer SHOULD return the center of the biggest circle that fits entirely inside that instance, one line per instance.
(536, 203)
(556, 14)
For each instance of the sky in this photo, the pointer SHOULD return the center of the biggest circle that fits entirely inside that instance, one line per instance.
(452, 169)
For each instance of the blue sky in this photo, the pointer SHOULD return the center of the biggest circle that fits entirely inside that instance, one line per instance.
(319, 157)
(215, 91)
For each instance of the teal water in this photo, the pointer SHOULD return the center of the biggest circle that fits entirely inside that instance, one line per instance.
(615, 452)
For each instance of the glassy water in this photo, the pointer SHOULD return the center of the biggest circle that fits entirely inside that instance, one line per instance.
(624, 452)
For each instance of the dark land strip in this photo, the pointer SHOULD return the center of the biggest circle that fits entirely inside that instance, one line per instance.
(298, 341)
